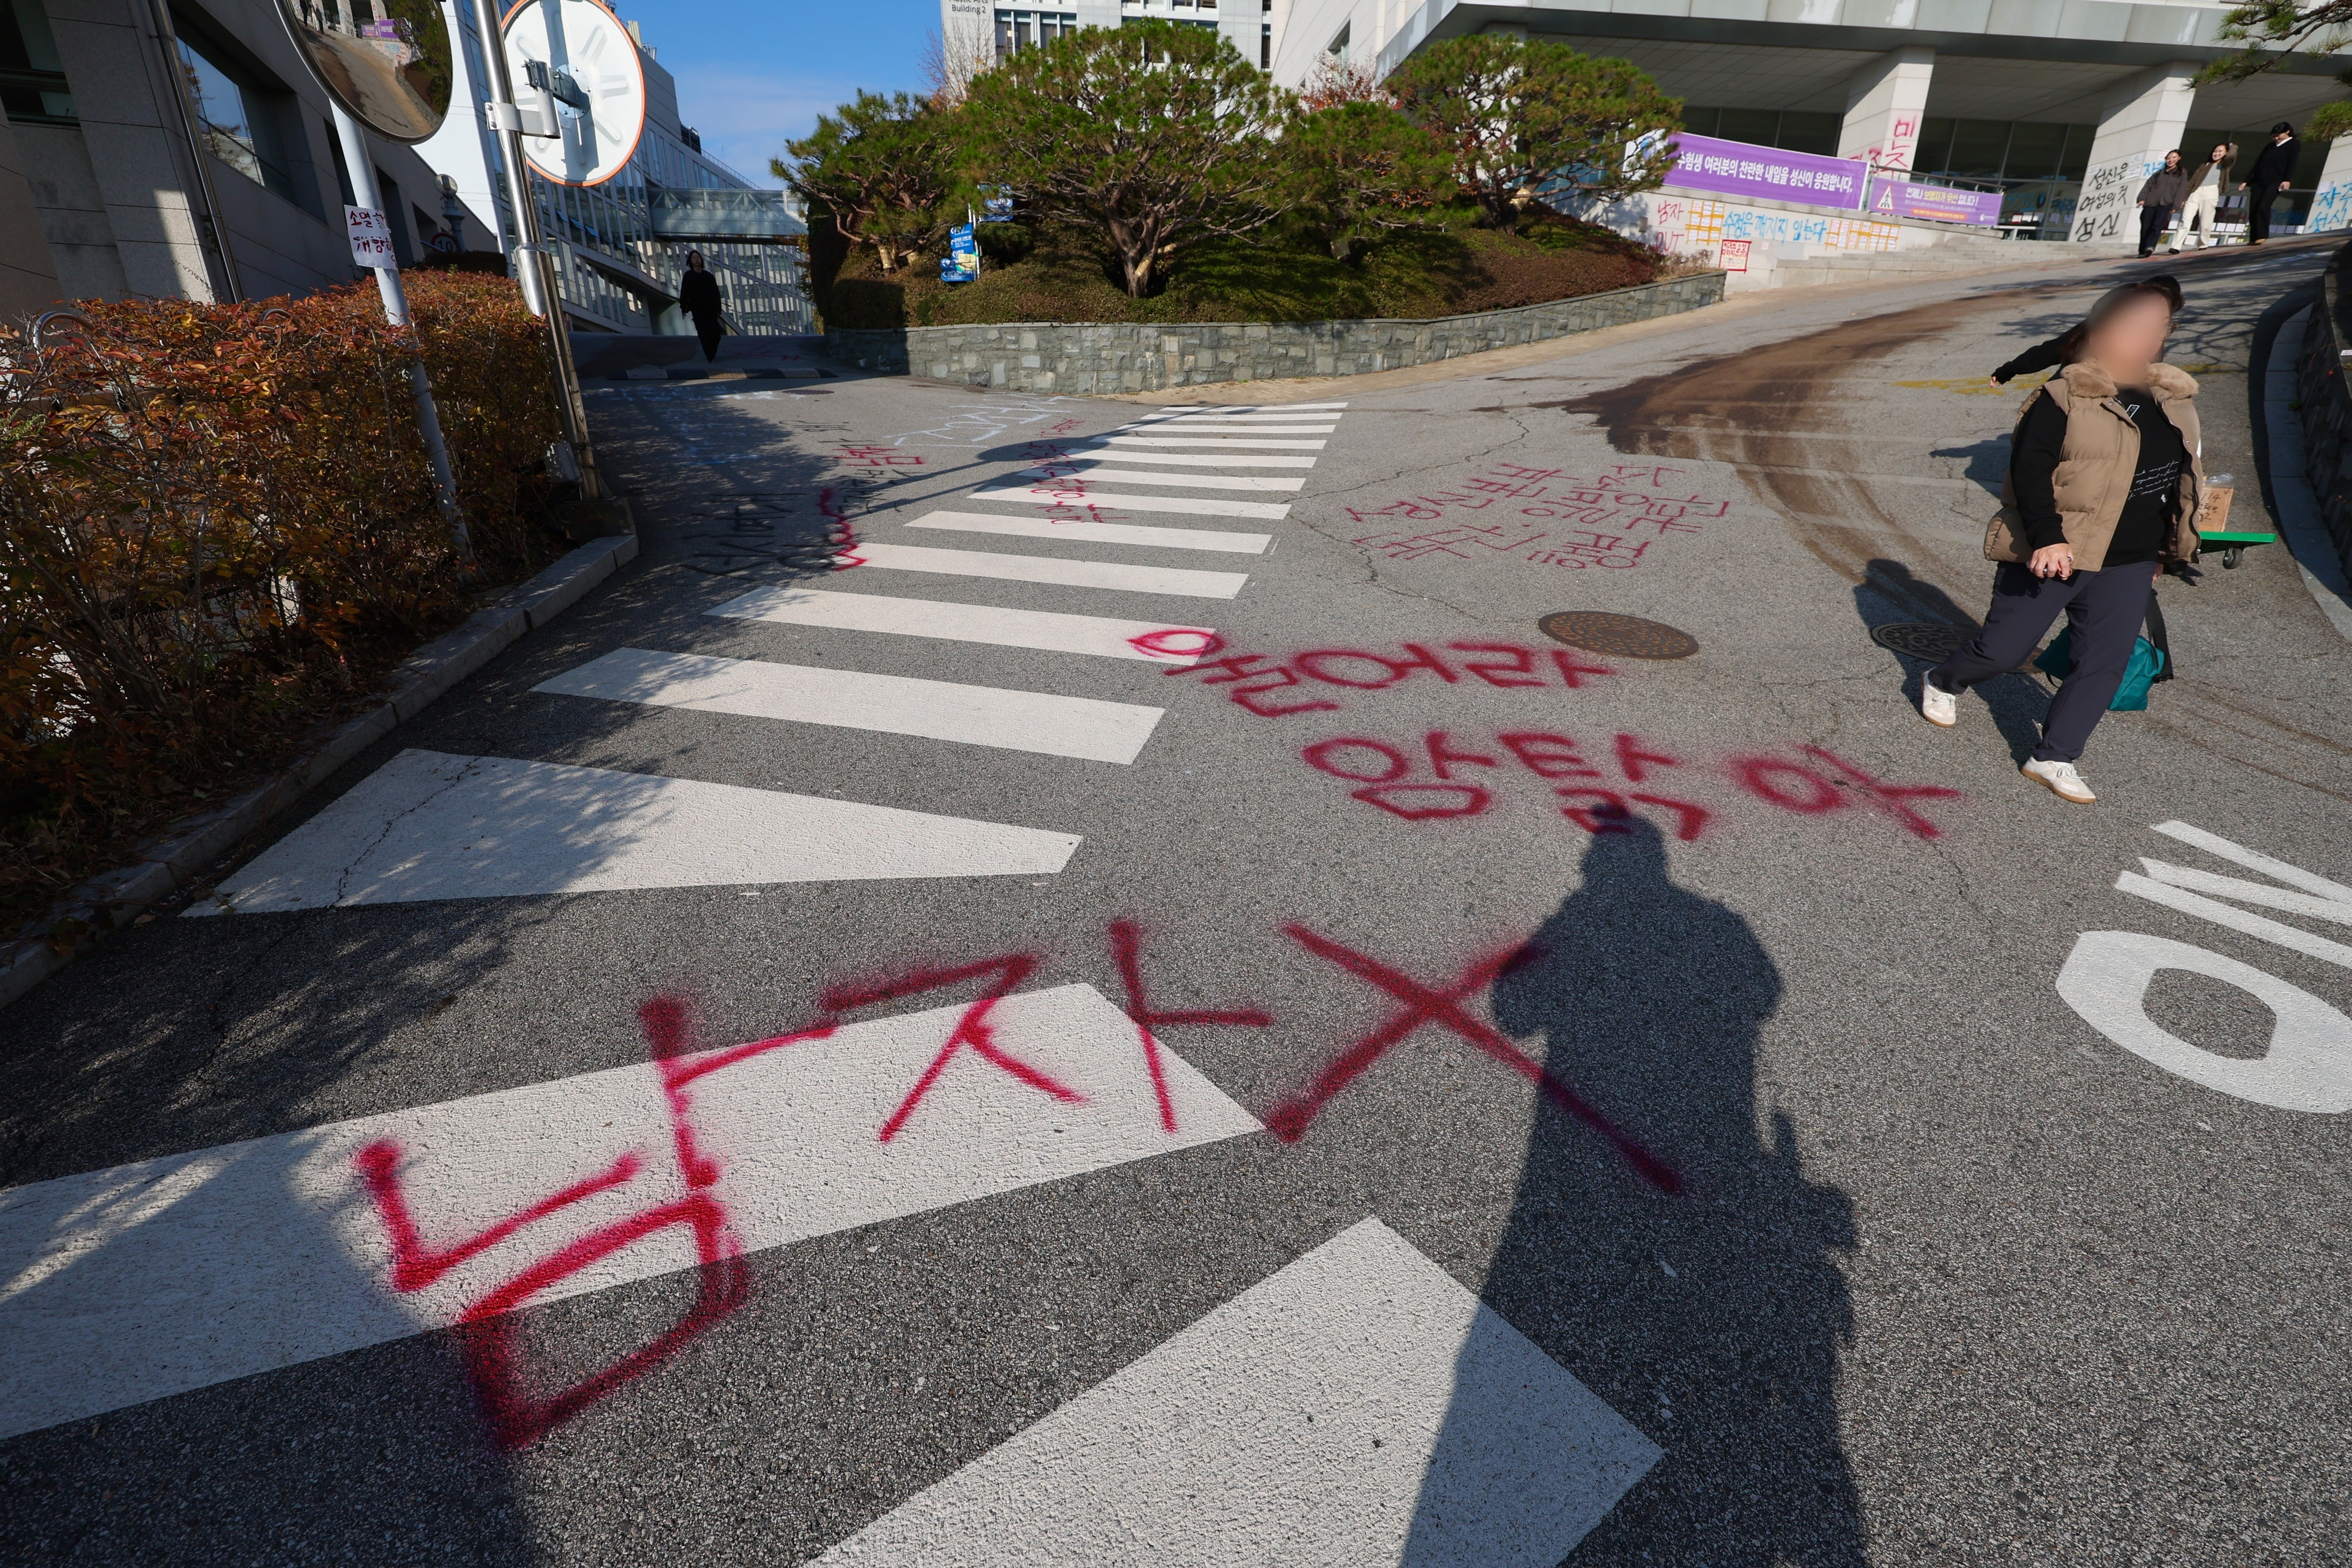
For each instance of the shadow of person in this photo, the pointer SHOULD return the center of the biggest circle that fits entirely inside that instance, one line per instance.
(1889, 593)
(1712, 1320)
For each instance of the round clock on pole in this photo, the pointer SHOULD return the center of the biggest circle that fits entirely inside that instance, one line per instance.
(579, 57)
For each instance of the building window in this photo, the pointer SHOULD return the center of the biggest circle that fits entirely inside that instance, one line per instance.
(1337, 48)
(1017, 30)
(236, 118)
(32, 77)
(1266, 46)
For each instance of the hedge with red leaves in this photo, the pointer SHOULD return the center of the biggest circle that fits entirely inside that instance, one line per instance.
(219, 530)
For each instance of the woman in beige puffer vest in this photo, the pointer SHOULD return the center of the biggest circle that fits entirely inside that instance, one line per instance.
(2106, 480)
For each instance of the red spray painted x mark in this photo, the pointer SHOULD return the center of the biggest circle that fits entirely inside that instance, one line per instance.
(971, 1029)
(1422, 1005)
(487, 1328)
(1125, 948)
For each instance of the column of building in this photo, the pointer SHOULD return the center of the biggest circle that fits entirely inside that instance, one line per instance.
(2141, 119)
(1886, 105)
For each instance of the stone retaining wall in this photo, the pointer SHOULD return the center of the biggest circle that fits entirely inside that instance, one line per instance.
(1050, 357)
(2327, 408)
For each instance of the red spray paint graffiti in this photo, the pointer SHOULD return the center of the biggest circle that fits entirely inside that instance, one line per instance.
(1254, 677)
(839, 531)
(487, 1328)
(1567, 521)
(1384, 774)
(1126, 951)
(1425, 1005)
(972, 1029)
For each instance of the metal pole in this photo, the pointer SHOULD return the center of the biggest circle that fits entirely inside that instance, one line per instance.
(362, 170)
(534, 265)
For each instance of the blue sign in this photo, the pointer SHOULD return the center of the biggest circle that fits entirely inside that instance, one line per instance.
(995, 204)
(961, 264)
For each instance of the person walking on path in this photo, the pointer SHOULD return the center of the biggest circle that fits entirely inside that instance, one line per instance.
(2206, 181)
(2273, 170)
(2166, 189)
(699, 296)
(2104, 483)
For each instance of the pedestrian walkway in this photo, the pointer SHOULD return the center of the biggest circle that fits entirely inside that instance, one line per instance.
(432, 826)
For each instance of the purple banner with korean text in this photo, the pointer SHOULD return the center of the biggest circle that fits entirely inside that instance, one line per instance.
(1742, 169)
(1905, 198)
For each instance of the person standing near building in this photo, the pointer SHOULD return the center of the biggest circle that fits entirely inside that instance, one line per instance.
(2105, 484)
(699, 296)
(2274, 168)
(2166, 189)
(2206, 181)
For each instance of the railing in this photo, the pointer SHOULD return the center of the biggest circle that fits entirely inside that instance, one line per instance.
(2327, 407)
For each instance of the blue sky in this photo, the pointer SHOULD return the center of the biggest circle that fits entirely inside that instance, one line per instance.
(752, 72)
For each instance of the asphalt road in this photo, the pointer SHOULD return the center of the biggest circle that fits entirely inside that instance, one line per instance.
(1743, 1086)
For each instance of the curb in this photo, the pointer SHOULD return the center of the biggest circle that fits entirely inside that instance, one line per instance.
(107, 902)
(2292, 500)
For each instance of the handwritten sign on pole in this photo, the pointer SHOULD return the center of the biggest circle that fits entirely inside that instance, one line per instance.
(371, 233)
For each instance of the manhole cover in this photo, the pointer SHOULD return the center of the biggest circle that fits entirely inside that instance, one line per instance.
(1920, 639)
(1627, 636)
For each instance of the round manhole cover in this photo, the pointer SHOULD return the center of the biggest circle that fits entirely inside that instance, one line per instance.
(1920, 639)
(1627, 636)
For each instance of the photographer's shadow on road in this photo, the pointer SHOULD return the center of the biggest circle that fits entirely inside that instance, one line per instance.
(1712, 1318)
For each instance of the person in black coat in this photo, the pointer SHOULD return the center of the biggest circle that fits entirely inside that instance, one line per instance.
(699, 296)
(2166, 189)
(2272, 169)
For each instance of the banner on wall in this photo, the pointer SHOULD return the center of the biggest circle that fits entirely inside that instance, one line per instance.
(1742, 169)
(1940, 203)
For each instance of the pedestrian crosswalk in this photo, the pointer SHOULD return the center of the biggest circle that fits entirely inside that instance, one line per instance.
(429, 825)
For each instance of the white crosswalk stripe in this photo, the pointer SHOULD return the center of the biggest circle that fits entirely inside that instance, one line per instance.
(1059, 466)
(1076, 492)
(1100, 533)
(129, 1284)
(1101, 635)
(893, 705)
(1230, 427)
(1091, 452)
(1358, 1407)
(1221, 443)
(1058, 570)
(427, 825)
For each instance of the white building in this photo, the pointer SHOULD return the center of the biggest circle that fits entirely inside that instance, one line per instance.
(976, 33)
(2033, 98)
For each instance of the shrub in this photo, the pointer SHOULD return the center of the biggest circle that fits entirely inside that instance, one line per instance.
(1518, 115)
(218, 526)
(1158, 135)
(1357, 169)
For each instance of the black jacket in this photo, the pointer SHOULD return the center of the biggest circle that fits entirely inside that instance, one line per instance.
(2273, 163)
(2041, 357)
(2164, 188)
(698, 293)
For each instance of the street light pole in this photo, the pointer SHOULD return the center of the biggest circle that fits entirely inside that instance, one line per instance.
(535, 266)
(361, 166)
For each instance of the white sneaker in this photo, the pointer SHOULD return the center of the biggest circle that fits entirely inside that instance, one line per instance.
(2063, 782)
(1937, 706)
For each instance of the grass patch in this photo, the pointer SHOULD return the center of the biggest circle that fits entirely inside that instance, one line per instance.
(1065, 274)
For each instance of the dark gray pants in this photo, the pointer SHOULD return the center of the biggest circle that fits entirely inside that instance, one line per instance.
(2103, 612)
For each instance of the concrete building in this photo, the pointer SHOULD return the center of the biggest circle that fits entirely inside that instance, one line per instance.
(975, 33)
(178, 148)
(2043, 100)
